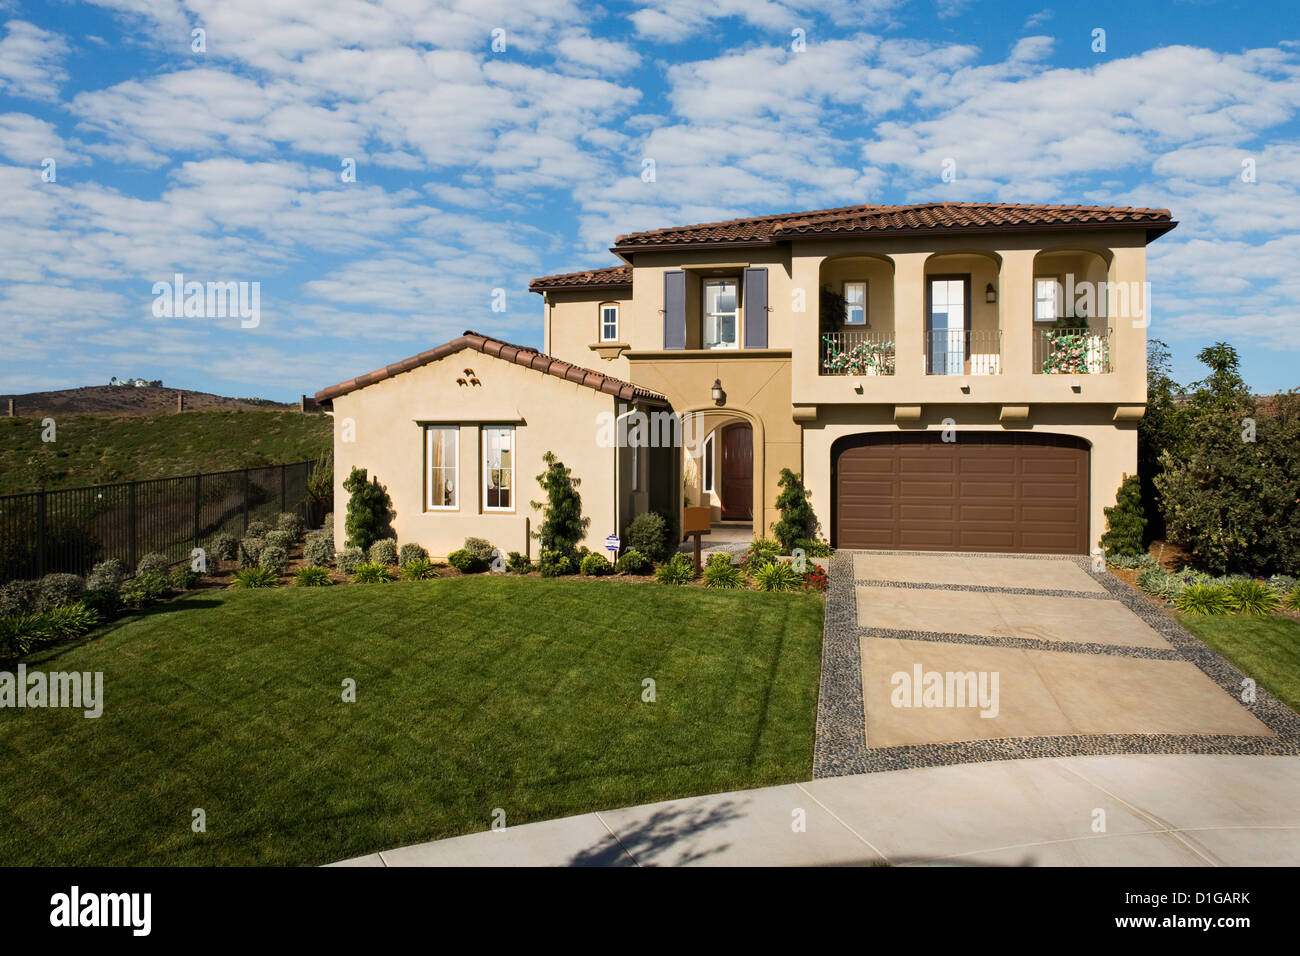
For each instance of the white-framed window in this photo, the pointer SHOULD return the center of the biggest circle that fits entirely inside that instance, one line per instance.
(855, 303)
(442, 467)
(609, 322)
(721, 325)
(1047, 299)
(706, 466)
(498, 468)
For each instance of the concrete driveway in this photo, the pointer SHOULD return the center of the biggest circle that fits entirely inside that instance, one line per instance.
(944, 658)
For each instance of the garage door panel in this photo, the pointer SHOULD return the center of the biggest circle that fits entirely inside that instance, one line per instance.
(995, 492)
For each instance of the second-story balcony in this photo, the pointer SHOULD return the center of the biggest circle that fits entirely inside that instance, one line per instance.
(963, 352)
(1077, 351)
(857, 353)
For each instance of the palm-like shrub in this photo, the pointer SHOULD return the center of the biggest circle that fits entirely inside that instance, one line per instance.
(255, 577)
(677, 570)
(383, 551)
(411, 552)
(349, 559)
(312, 576)
(419, 569)
(1253, 597)
(372, 572)
(721, 574)
(1292, 600)
(761, 552)
(777, 576)
(1205, 599)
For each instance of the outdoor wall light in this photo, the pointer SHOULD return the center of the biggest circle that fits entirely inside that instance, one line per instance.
(990, 293)
(719, 396)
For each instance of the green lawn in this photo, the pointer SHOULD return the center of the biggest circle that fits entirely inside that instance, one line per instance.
(473, 693)
(1265, 648)
(101, 449)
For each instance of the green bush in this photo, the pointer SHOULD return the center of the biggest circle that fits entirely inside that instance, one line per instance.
(814, 548)
(1130, 561)
(411, 552)
(349, 559)
(250, 549)
(464, 562)
(153, 563)
(1203, 599)
(383, 551)
(594, 565)
(58, 589)
(66, 621)
(1125, 522)
(633, 561)
(370, 510)
(1253, 597)
(257, 528)
(677, 570)
(797, 518)
(648, 534)
(1283, 584)
(279, 539)
(225, 546)
(721, 574)
(761, 552)
(1151, 579)
(20, 597)
(372, 572)
(182, 578)
(1292, 600)
(143, 589)
(563, 525)
(419, 569)
(777, 576)
(318, 549)
(255, 577)
(312, 576)
(106, 576)
(517, 563)
(480, 550)
(273, 557)
(292, 523)
(103, 601)
(554, 564)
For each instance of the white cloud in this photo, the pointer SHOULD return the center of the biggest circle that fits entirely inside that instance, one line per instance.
(31, 61)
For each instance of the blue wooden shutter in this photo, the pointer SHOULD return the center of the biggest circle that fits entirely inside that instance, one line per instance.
(675, 309)
(756, 308)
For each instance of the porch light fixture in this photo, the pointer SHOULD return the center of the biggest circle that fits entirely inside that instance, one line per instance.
(990, 293)
(719, 396)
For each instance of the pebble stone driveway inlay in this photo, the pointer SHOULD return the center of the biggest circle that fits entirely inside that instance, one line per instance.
(1084, 665)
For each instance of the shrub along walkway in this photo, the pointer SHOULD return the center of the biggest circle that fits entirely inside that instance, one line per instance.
(1082, 664)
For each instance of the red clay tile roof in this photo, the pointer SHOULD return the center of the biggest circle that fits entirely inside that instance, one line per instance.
(529, 358)
(868, 220)
(611, 277)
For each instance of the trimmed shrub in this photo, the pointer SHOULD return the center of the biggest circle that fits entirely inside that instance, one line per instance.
(20, 597)
(1205, 599)
(152, 563)
(318, 549)
(106, 576)
(721, 574)
(648, 534)
(1253, 597)
(255, 577)
(777, 576)
(383, 551)
(273, 557)
(480, 550)
(372, 572)
(677, 570)
(370, 510)
(279, 539)
(58, 589)
(419, 569)
(594, 565)
(814, 548)
(518, 563)
(554, 564)
(411, 552)
(249, 551)
(257, 528)
(464, 562)
(1125, 521)
(633, 561)
(225, 546)
(312, 576)
(797, 518)
(183, 577)
(143, 589)
(292, 523)
(349, 559)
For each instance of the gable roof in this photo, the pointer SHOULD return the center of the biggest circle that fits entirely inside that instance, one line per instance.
(938, 217)
(529, 358)
(610, 277)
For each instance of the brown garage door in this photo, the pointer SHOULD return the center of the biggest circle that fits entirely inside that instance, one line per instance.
(996, 492)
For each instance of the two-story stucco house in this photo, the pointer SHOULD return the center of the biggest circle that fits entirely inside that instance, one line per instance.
(946, 376)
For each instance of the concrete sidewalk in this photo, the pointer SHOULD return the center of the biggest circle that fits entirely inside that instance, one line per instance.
(1169, 810)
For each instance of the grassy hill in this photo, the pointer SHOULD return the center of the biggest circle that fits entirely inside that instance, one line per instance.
(96, 449)
(124, 400)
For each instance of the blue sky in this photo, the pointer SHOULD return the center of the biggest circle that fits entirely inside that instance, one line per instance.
(478, 170)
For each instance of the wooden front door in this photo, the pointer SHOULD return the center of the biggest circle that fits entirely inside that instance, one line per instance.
(737, 472)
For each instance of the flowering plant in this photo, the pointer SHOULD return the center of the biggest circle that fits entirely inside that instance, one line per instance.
(859, 359)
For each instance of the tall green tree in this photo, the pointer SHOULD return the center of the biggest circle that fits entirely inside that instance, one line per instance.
(370, 510)
(797, 517)
(563, 525)
(1125, 521)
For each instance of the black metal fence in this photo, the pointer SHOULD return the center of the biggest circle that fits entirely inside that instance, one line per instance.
(72, 529)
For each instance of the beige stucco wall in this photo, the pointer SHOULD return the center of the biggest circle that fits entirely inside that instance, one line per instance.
(549, 414)
(572, 329)
(1113, 448)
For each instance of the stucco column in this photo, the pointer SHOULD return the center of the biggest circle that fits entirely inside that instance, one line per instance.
(1016, 311)
(909, 316)
(805, 342)
(1128, 348)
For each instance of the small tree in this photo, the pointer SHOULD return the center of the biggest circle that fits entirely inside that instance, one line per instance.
(1125, 520)
(370, 510)
(797, 518)
(563, 525)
